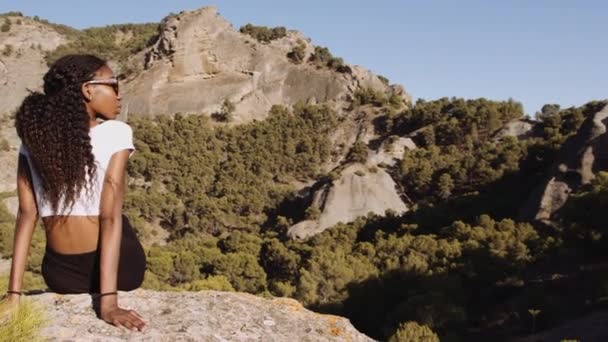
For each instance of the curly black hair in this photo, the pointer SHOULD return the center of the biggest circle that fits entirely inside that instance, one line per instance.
(54, 127)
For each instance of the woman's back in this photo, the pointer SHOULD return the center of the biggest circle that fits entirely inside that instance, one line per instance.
(76, 230)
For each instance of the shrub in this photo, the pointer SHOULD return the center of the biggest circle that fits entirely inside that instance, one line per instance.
(365, 96)
(217, 283)
(358, 153)
(225, 113)
(6, 26)
(313, 213)
(412, 331)
(298, 53)
(264, 34)
(384, 80)
(321, 55)
(8, 50)
(11, 14)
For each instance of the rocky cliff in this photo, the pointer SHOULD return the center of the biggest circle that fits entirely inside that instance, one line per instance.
(581, 157)
(361, 188)
(200, 60)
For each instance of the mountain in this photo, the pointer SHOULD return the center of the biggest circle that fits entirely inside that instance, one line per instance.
(196, 64)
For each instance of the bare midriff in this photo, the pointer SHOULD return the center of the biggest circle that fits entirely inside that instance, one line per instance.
(72, 234)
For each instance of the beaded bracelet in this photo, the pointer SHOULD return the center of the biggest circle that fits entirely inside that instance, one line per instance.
(107, 294)
(14, 292)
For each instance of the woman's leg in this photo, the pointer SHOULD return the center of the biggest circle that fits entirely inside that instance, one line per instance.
(132, 264)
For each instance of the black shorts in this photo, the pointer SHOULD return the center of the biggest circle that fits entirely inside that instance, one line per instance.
(79, 273)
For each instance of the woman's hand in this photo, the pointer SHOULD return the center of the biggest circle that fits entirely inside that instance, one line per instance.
(12, 298)
(8, 304)
(123, 318)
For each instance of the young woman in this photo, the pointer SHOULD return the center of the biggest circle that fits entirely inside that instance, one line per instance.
(71, 173)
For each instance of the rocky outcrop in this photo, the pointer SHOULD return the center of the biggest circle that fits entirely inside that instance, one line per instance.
(361, 188)
(520, 128)
(582, 156)
(24, 66)
(390, 151)
(359, 191)
(8, 158)
(194, 316)
(200, 60)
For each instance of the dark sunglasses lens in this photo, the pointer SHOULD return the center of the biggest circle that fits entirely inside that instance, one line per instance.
(115, 87)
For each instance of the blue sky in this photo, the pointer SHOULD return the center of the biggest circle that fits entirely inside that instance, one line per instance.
(536, 52)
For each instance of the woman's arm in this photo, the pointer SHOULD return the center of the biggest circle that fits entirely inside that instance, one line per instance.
(27, 217)
(110, 218)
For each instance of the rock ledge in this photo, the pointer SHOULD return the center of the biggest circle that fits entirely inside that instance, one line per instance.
(194, 316)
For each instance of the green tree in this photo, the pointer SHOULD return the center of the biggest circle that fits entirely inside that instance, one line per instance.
(412, 331)
(445, 186)
(243, 271)
(185, 267)
(312, 213)
(358, 153)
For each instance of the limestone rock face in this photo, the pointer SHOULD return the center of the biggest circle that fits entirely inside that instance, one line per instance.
(582, 156)
(200, 60)
(194, 316)
(520, 129)
(24, 67)
(358, 191)
(391, 150)
(21, 71)
(8, 159)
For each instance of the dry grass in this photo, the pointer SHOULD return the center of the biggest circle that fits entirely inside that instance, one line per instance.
(21, 322)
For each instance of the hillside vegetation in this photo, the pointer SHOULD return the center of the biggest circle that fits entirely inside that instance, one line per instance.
(457, 263)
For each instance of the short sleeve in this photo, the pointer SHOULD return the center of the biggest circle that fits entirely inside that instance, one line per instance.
(122, 138)
(23, 150)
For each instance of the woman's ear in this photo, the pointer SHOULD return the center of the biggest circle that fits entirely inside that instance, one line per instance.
(86, 91)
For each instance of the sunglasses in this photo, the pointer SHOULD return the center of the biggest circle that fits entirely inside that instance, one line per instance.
(112, 82)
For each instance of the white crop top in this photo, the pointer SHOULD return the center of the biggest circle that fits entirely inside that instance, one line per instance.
(107, 138)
